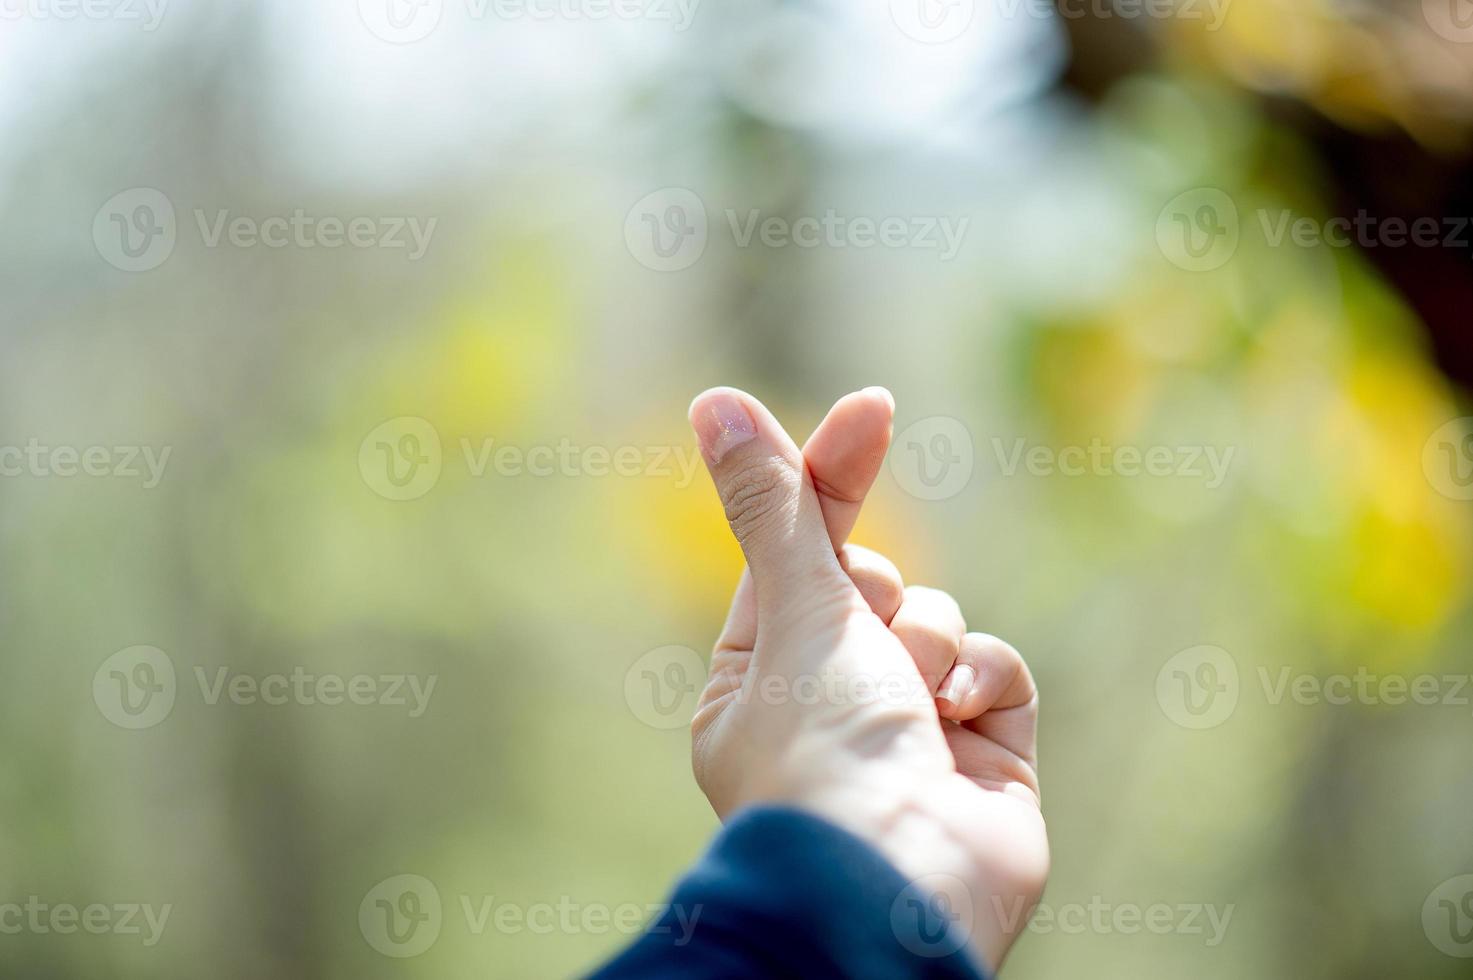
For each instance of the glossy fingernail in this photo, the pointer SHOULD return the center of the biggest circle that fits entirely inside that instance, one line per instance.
(958, 685)
(722, 423)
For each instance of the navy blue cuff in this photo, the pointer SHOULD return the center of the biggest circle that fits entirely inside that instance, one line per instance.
(784, 893)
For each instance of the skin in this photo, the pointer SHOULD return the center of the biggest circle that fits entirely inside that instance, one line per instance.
(823, 686)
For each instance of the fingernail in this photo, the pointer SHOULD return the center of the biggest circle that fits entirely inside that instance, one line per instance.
(883, 393)
(958, 685)
(722, 424)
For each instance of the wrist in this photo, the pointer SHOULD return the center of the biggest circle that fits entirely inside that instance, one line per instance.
(941, 871)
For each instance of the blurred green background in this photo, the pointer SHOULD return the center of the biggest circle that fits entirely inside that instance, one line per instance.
(545, 311)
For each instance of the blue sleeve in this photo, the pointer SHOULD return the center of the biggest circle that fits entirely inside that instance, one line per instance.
(784, 894)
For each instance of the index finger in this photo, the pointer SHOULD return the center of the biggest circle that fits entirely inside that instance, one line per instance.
(844, 456)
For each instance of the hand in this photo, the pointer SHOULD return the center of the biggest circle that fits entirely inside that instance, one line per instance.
(822, 690)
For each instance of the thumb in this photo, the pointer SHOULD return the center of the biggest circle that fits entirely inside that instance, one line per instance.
(768, 496)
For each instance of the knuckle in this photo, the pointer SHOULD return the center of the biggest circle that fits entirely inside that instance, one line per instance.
(933, 609)
(922, 632)
(757, 497)
(886, 591)
(860, 557)
(924, 636)
(933, 599)
(1003, 658)
(875, 576)
(1002, 652)
(992, 648)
